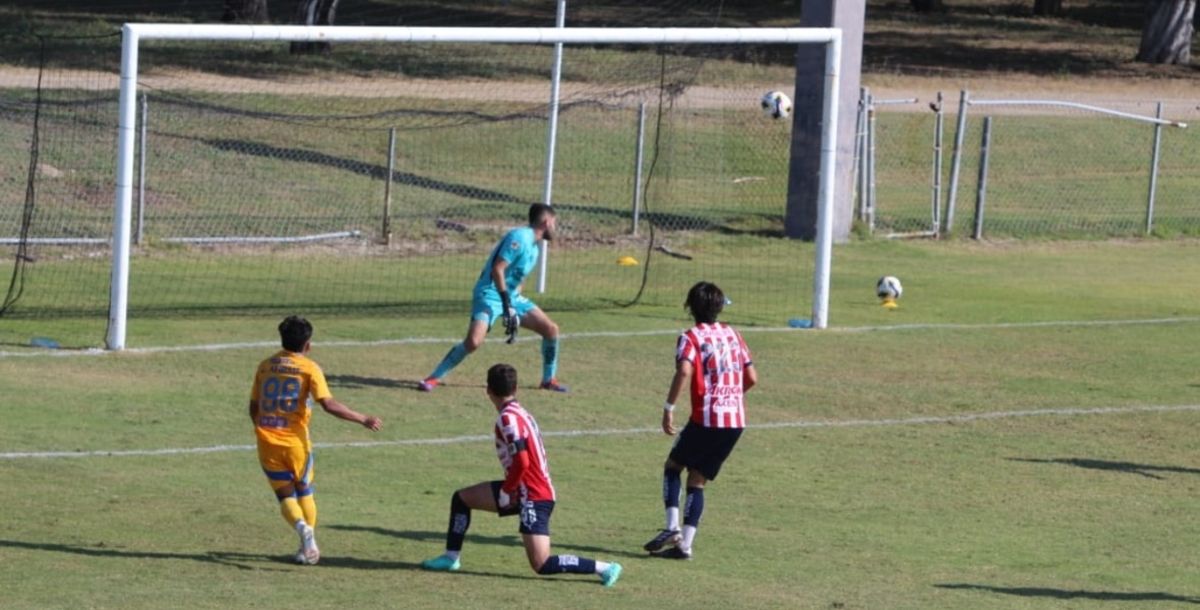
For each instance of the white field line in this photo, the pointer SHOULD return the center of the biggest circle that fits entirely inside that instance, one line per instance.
(480, 438)
(607, 334)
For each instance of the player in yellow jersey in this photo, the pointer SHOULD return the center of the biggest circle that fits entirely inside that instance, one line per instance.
(280, 410)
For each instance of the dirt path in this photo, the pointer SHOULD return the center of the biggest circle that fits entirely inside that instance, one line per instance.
(1180, 97)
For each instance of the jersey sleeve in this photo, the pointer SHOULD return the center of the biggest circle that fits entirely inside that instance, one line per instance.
(256, 389)
(685, 349)
(509, 428)
(514, 247)
(747, 359)
(318, 387)
(510, 431)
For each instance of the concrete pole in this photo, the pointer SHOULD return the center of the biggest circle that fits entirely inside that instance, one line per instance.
(800, 221)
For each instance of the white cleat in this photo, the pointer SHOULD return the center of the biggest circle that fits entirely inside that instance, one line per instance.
(308, 554)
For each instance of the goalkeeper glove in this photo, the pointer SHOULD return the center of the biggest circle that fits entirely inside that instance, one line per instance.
(511, 320)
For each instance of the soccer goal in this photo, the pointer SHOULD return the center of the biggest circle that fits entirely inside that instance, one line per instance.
(368, 173)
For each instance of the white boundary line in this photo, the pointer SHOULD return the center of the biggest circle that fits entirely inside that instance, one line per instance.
(457, 440)
(608, 334)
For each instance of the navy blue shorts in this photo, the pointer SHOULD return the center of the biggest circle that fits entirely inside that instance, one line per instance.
(704, 449)
(535, 514)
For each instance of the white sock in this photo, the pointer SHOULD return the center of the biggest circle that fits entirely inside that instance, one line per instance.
(452, 554)
(601, 566)
(300, 526)
(689, 533)
(673, 518)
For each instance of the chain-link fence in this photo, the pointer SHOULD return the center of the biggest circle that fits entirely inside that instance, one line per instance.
(1056, 169)
(326, 190)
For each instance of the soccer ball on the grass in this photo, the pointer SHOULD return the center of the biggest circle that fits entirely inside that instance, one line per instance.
(776, 104)
(888, 288)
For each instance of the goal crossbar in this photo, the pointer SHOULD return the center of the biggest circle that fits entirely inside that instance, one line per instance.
(134, 33)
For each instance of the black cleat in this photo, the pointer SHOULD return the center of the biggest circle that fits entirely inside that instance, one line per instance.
(673, 553)
(663, 539)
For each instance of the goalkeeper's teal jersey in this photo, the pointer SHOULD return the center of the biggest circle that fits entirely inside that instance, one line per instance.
(519, 248)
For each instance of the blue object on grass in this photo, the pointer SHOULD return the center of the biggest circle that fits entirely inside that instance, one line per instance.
(45, 342)
(800, 323)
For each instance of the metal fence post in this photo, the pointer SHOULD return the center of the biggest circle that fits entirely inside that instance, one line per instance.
(870, 163)
(637, 165)
(141, 201)
(956, 162)
(981, 189)
(936, 198)
(1154, 171)
(860, 140)
(386, 231)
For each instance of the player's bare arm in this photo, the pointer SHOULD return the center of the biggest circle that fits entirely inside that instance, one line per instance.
(254, 411)
(341, 411)
(749, 377)
(683, 373)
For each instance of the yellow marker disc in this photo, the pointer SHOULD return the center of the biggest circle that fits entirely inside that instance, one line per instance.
(627, 261)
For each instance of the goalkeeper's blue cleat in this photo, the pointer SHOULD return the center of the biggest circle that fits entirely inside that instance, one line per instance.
(554, 386)
(609, 577)
(442, 563)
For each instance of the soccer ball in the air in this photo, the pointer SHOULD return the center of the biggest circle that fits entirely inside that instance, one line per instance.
(776, 104)
(888, 288)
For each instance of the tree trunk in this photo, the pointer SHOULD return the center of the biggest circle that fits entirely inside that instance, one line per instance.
(1167, 34)
(314, 12)
(245, 11)
(927, 6)
(1047, 8)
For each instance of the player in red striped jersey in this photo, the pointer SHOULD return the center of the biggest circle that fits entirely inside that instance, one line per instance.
(525, 490)
(714, 358)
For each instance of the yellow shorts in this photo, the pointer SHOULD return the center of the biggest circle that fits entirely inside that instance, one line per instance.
(289, 469)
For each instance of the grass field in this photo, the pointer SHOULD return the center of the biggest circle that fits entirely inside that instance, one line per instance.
(1016, 435)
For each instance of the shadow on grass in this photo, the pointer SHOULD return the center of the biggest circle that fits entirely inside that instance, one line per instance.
(236, 560)
(241, 561)
(261, 149)
(356, 381)
(1145, 470)
(1111, 596)
(440, 537)
(469, 191)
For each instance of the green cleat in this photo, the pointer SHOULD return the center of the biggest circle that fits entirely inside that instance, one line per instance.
(609, 577)
(443, 563)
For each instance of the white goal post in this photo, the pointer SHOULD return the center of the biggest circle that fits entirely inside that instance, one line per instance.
(134, 33)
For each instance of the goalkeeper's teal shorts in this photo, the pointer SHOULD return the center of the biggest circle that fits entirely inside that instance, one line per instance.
(487, 308)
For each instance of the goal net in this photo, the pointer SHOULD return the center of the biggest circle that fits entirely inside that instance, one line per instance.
(377, 179)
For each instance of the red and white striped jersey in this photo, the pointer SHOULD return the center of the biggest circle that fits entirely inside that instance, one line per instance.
(517, 431)
(719, 357)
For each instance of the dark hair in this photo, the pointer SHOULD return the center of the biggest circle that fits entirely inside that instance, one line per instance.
(502, 380)
(538, 212)
(294, 332)
(705, 301)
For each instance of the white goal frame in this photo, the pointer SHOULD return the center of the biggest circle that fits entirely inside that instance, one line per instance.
(134, 33)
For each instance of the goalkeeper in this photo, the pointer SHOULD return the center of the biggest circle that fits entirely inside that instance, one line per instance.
(497, 297)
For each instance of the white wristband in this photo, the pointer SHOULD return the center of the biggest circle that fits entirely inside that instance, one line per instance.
(668, 407)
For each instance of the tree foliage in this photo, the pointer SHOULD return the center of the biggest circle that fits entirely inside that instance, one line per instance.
(245, 11)
(1047, 8)
(927, 6)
